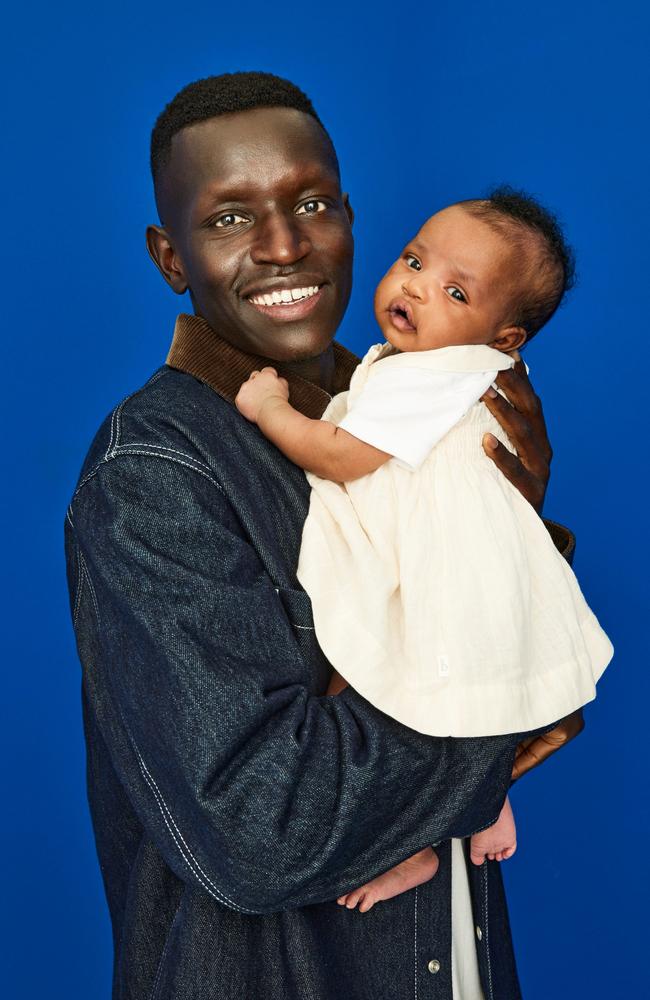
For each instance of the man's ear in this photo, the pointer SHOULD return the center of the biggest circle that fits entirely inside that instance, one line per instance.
(511, 338)
(348, 208)
(165, 258)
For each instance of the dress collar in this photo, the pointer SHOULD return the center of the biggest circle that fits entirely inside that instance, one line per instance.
(197, 350)
(461, 358)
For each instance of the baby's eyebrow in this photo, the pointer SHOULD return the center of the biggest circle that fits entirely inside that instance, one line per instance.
(464, 276)
(458, 271)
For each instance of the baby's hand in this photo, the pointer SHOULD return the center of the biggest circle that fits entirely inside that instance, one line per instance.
(260, 386)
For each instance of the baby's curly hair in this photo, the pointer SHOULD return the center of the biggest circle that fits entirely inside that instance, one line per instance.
(548, 262)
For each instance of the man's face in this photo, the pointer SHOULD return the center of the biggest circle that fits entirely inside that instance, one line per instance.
(253, 213)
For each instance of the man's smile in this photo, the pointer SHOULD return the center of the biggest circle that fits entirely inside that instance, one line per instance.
(285, 300)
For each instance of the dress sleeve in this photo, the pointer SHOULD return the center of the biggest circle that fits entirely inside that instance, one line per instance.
(406, 411)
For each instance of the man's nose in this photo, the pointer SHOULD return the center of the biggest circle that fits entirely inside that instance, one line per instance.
(279, 240)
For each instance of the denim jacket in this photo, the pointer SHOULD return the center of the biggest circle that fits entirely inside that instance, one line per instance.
(232, 801)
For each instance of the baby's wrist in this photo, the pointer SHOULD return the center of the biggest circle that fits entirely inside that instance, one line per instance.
(268, 407)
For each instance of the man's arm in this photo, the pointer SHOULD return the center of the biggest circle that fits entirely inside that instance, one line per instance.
(522, 418)
(263, 795)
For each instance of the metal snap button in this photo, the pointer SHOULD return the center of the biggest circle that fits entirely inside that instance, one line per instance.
(479, 933)
(434, 965)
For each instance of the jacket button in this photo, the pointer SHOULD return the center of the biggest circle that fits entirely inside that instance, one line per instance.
(479, 933)
(434, 965)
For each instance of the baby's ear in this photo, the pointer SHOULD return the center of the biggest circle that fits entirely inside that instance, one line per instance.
(511, 338)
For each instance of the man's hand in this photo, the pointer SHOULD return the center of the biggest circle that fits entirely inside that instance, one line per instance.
(523, 421)
(260, 386)
(535, 750)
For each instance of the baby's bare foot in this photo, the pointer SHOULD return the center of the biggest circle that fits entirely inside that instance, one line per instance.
(414, 871)
(498, 842)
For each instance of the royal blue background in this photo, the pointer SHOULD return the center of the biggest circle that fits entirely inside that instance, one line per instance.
(427, 103)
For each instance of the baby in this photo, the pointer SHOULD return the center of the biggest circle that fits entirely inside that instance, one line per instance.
(436, 589)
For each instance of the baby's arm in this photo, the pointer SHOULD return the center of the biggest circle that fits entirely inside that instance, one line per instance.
(315, 445)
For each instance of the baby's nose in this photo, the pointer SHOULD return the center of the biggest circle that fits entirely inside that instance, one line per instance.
(411, 289)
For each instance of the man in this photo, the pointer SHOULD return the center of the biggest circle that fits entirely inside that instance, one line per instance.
(232, 802)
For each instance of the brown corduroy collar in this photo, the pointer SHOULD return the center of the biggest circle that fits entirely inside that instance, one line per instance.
(197, 350)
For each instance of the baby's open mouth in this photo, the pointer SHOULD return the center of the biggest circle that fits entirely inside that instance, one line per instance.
(401, 316)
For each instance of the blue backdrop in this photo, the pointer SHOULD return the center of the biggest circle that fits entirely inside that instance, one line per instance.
(427, 103)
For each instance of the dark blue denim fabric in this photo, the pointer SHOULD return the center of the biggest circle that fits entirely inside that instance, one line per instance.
(232, 802)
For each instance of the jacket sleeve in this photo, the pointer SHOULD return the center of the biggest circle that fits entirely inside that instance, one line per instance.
(262, 795)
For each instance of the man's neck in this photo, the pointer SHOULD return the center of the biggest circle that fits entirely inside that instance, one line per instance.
(319, 370)
(197, 350)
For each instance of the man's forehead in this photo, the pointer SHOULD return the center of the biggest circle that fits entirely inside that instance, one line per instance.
(230, 146)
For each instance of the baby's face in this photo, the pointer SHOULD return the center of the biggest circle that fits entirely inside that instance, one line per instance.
(450, 286)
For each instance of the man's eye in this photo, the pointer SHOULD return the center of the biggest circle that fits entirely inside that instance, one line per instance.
(412, 261)
(229, 219)
(456, 293)
(311, 207)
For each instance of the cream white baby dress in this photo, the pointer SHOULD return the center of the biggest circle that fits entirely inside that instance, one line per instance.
(437, 591)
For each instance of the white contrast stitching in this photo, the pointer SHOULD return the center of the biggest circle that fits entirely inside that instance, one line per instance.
(127, 450)
(180, 850)
(90, 475)
(309, 628)
(163, 447)
(117, 412)
(117, 423)
(487, 939)
(110, 440)
(415, 944)
(194, 867)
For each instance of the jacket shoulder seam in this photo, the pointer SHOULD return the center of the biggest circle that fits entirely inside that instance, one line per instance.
(116, 416)
(153, 451)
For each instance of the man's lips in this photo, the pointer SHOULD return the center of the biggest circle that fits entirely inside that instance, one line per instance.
(401, 316)
(285, 300)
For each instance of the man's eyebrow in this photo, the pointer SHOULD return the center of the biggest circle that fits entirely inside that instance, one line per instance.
(239, 190)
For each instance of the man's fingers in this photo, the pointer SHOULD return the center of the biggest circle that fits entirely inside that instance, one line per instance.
(522, 434)
(530, 487)
(521, 395)
(536, 749)
(529, 758)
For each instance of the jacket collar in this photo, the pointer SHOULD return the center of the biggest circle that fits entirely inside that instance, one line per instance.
(197, 350)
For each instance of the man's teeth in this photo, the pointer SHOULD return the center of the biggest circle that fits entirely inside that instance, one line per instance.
(286, 295)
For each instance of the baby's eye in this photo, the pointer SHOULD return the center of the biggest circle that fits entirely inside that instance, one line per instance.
(311, 207)
(412, 261)
(456, 293)
(228, 220)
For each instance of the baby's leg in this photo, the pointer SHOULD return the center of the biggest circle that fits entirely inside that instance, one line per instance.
(499, 841)
(414, 871)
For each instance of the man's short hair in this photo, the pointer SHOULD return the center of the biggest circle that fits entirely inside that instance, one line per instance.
(548, 262)
(226, 94)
